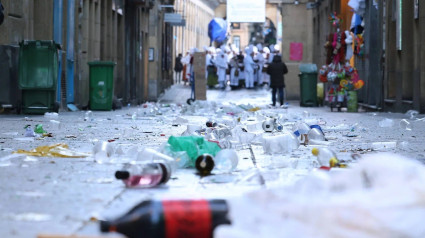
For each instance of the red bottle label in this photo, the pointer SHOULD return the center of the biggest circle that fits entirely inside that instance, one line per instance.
(187, 219)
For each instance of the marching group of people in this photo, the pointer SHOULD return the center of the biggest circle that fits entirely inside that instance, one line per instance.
(227, 65)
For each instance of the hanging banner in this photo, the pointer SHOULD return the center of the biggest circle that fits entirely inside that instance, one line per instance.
(246, 11)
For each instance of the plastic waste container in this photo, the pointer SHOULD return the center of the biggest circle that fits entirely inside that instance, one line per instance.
(101, 85)
(38, 72)
(308, 85)
(10, 95)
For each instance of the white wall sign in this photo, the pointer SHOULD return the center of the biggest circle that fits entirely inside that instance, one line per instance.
(246, 10)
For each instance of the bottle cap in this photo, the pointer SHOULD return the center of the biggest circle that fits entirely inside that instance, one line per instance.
(204, 164)
(315, 151)
(104, 226)
(166, 173)
(120, 174)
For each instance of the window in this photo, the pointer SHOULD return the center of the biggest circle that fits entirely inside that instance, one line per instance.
(237, 41)
(235, 26)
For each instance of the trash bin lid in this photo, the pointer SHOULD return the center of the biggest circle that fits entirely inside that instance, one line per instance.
(102, 63)
(308, 68)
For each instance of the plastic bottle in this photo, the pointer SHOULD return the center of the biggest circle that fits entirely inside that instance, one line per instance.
(325, 156)
(144, 175)
(204, 164)
(151, 155)
(170, 218)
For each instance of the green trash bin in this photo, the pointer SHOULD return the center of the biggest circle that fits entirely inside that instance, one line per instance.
(308, 85)
(101, 85)
(352, 105)
(38, 73)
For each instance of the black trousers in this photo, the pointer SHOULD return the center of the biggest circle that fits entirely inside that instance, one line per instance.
(274, 91)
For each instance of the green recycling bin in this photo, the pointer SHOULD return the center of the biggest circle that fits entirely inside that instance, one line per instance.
(308, 85)
(38, 73)
(101, 85)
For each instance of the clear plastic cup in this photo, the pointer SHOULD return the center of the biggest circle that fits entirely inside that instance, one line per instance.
(405, 125)
(226, 160)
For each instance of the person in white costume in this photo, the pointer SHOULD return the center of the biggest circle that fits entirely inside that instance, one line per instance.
(234, 68)
(249, 67)
(221, 64)
(261, 60)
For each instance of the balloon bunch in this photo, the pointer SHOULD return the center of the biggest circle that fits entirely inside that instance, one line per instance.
(335, 20)
(346, 78)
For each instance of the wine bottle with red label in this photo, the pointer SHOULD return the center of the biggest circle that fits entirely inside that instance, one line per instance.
(171, 219)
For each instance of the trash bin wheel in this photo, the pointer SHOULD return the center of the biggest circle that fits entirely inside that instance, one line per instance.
(19, 107)
(56, 107)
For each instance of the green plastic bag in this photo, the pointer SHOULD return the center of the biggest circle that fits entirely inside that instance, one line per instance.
(194, 146)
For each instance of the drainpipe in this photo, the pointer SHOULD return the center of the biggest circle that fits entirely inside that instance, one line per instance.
(57, 37)
(70, 53)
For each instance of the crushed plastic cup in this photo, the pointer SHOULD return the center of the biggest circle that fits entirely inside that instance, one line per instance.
(315, 134)
(405, 125)
(404, 145)
(56, 125)
(88, 116)
(226, 160)
(386, 122)
(51, 114)
(280, 144)
(386, 145)
(254, 126)
(222, 133)
(253, 177)
(412, 114)
(103, 151)
(192, 129)
(29, 132)
(302, 128)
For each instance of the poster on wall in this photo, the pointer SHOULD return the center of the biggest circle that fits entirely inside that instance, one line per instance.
(296, 51)
(246, 11)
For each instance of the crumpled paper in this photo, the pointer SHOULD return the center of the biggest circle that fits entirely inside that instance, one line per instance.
(57, 150)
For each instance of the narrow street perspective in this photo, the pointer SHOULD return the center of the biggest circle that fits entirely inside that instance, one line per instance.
(212, 118)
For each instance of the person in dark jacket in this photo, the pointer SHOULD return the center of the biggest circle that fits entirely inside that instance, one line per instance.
(178, 67)
(1, 13)
(276, 70)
